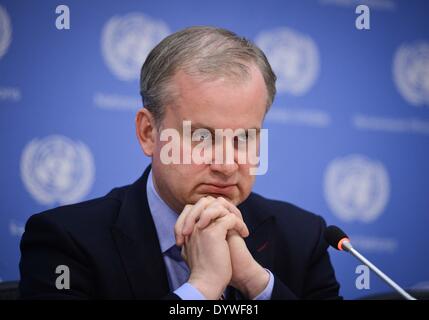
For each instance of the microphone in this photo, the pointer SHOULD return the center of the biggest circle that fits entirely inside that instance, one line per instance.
(338, 239)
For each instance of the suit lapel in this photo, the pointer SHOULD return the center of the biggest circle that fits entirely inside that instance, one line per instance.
(261, 240)
(138, 245)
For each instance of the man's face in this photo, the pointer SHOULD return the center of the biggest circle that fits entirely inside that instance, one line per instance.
(217, 104)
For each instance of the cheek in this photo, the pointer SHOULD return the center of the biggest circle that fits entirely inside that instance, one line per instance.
(188, 176)
(250, 180)
(187, 180)
(246, 179)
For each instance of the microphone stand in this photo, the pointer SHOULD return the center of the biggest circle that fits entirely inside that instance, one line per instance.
(347, 246)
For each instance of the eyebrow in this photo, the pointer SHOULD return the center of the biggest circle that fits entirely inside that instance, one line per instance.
(196, 126)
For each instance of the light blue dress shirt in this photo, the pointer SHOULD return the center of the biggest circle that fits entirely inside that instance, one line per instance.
(177, 270)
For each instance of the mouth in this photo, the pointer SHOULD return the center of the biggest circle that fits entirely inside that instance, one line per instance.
(220, 189)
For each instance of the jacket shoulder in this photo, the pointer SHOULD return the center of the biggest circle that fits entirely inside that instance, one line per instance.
(100, 211)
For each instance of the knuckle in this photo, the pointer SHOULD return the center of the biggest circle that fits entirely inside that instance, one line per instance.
(191, 216)
(208, 199)
(222, 200)
(226, 212)
(207, 211)
(201, 201)
(210, 214)
(176, 228)
(218, 206)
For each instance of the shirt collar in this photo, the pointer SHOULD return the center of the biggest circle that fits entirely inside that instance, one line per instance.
(163, 216)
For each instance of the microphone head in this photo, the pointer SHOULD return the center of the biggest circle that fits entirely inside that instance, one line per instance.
(335, 237)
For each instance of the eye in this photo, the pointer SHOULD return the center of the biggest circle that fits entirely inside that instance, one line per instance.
(201, 135)
(242, 137)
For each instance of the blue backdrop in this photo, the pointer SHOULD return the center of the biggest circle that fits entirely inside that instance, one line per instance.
(348, 132)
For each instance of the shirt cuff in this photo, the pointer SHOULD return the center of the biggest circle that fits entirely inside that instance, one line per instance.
(189, 292)
(267, 292)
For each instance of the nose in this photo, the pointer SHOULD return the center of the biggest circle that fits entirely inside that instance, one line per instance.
(226, 170)
(227, 166)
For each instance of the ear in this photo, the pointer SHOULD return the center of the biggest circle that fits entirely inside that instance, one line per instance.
(146, 131)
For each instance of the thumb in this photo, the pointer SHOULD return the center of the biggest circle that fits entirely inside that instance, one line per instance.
(231, 233)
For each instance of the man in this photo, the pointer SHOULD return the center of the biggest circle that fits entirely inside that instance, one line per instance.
(186, 230)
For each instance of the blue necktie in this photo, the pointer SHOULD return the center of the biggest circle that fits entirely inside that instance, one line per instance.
(182, 270)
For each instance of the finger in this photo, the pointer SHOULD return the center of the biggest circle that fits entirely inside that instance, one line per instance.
(230, 207)
(212, 212)
(217, 210)
(183, 254)
(231, 233)
(232, 222)
(178, 226)
(192, 217)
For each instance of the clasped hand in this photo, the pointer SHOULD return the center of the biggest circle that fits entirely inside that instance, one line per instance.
(211, 234)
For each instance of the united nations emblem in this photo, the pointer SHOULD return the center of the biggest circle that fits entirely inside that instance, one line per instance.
(294, 58)
(356, 188)
(56, 169)
(411, 72)
(5, 31)
(127, 40)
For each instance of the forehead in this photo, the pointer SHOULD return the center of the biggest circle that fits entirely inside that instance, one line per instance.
(219, 103)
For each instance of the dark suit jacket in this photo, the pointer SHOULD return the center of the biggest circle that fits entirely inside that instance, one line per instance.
(111, 248)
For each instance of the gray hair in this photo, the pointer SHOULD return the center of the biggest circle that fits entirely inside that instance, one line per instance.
(203, 51)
